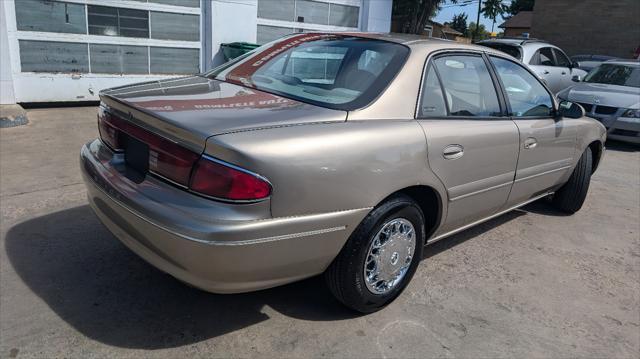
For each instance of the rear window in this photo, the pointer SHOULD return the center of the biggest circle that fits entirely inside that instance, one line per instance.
(329, 70)
(507, 49)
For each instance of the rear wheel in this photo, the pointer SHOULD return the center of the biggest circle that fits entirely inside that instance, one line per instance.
(570, 197)
(380, 257)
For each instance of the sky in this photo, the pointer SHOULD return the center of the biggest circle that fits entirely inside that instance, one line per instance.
(448, 10)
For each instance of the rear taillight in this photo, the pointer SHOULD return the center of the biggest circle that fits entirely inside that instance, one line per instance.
(108, 128)
(216, 179)
(166, 158)
(210, 177)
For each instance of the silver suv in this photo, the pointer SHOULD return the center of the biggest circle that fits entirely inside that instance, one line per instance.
(546, 60)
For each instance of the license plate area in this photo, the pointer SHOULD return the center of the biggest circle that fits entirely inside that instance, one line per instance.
(136, 157)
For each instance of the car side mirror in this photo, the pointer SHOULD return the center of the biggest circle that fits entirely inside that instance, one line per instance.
(576, 64)
(570, 110)
(576, 78)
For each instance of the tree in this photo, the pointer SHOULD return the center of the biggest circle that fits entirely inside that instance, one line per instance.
(482, 31)
(519, 5)
(492, 9)
(459, 23)
(414, 14)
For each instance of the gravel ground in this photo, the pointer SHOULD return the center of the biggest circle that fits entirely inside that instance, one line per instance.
(531, 283)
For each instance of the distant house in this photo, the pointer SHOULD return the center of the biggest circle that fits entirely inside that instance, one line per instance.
(518, 24)
(432, 29)
(441, 31)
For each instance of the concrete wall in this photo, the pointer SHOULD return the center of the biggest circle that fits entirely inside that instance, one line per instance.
(231, 21)
(375, 15)
(7, 95)
(607, 27)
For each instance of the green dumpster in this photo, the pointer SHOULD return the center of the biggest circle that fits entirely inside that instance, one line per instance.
(235, 49)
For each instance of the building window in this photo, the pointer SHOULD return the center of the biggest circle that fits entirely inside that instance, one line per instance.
(170, 26)
(119, 59)
(112, 21)
(169, 60)
(270, 33)
(187, 3)
(49, 56)
(50, 16)
(343, 15)
(310, 12)
(276, 10)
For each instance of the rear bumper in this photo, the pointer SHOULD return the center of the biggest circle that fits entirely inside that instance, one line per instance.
(221, 248)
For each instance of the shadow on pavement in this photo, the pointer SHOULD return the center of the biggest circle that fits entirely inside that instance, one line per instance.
(459, 238)
(613, 145)
(93, 282)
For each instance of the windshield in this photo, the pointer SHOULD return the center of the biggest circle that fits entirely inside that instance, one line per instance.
(330, 70)
(507, 49)
(615, 74)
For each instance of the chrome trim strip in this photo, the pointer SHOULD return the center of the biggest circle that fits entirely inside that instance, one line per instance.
(281, 237)
(542, 174)
(450, 233)
(480, 191)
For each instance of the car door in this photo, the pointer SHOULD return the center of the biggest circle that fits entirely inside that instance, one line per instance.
(545, 67)
(547, 143)
(472, 147)
(564, 65)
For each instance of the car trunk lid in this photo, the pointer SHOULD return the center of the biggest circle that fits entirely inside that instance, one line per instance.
(189, 110)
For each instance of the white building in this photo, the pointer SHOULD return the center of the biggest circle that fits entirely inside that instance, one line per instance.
(68, 50)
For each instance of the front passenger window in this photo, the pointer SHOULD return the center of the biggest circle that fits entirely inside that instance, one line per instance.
(526, 95)
(562, 59)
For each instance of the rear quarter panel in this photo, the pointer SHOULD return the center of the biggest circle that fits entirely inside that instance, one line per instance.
(331, 166)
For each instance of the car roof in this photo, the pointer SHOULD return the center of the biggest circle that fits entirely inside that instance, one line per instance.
(514, 41)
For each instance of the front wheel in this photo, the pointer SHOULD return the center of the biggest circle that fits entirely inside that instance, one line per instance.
(380, 257)
(570, 197)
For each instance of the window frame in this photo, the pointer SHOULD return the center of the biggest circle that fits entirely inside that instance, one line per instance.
(536, 57)
(554, 102)
(118, 17)
(500, 95)
(556, 51)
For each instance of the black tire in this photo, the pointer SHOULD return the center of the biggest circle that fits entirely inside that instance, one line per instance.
(345, 275)
(570, 197)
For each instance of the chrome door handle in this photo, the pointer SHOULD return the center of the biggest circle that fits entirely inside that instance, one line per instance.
(530, 143)
(453, 152)
(545, 72)
(564, 73)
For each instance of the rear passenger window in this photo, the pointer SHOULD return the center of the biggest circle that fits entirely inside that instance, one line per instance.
(544, 57)
(468, 87)
(432, 102)
(527, 97)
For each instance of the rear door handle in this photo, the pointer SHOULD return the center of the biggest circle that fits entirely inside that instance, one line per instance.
(453, 152)
(530, 143)
(545, 72)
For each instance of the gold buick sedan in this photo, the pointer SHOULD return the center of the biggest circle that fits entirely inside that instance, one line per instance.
(335, 153)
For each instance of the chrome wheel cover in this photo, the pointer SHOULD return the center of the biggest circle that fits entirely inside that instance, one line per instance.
(389, 256)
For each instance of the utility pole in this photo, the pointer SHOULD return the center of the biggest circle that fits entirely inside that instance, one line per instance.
(475, 31)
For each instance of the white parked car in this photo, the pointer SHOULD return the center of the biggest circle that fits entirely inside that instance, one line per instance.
(549, 62)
